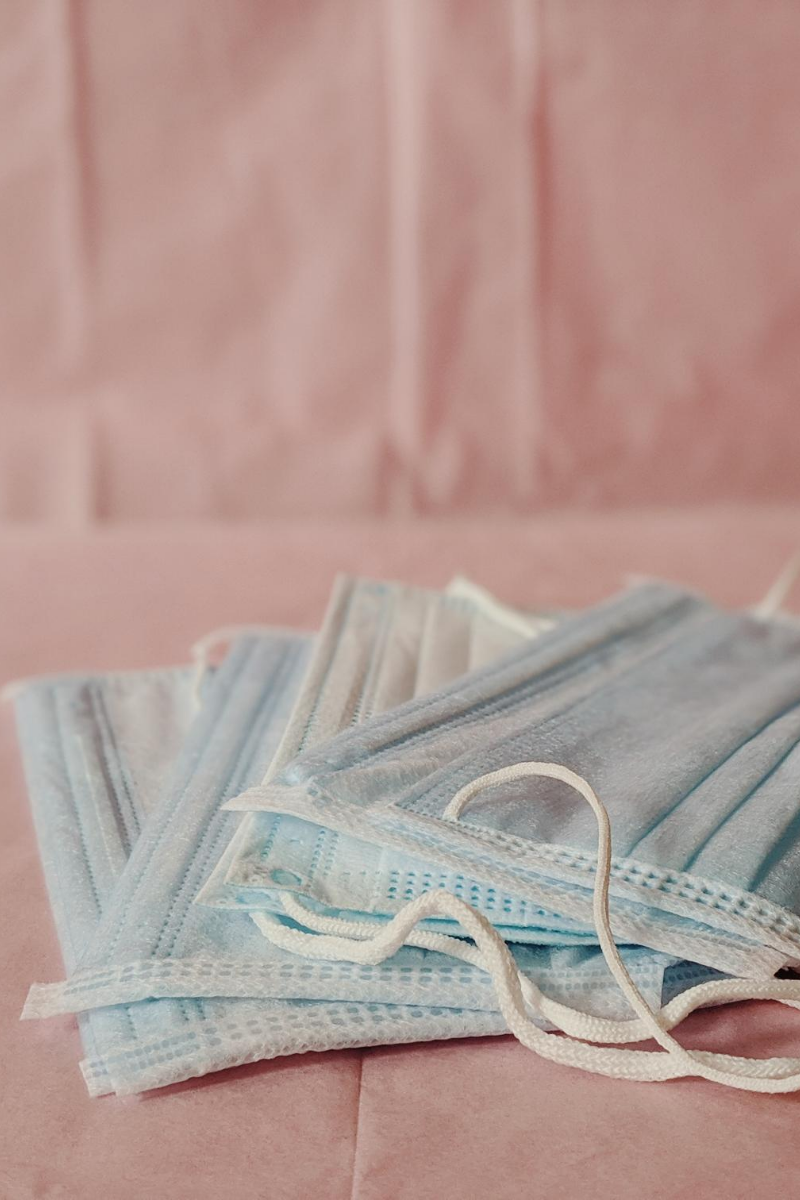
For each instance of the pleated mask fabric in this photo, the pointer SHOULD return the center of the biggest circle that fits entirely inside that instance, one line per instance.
(686, 720)
(380, 645)
(97, 751)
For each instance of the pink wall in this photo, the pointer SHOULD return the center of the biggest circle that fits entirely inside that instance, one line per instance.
(262, 257)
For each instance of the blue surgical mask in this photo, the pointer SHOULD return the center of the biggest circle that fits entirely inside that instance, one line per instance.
(380, 645)
(97, 752)
(683, 717)
(335, 874)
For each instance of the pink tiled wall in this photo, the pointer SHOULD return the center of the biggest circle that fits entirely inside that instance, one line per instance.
(266, 258)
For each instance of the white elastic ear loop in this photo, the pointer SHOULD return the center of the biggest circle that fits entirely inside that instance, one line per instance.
(600, 911)
(201, 650)
(527, 625)
(776, 596)
(12, 689)
(763, 1075)
(600, 908)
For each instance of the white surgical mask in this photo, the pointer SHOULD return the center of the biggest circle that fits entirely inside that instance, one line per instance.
(380, 645)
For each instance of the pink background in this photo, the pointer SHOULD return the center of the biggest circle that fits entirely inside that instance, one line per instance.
(269, 258)
(343, 260)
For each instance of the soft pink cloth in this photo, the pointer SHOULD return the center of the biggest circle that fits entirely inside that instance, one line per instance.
(436, 1122)
(261, 258)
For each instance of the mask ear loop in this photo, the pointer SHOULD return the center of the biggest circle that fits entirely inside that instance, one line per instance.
(651, 1020)
(600, 905)
(776, 596)
(201, 650)
(761, 1075)
(525, 624)
(11, 690)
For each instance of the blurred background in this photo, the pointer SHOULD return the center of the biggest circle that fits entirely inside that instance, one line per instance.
(264, 259)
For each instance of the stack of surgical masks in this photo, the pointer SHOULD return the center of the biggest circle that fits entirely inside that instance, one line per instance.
(437, 818)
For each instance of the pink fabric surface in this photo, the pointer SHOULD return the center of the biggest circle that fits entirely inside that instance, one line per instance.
(261, 258)
(445, 1120)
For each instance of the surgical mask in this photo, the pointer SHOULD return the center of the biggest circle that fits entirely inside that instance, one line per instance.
(105, 744)
(97, 752)
(274, 858)
(686, 717)
(380, 645)
(171, 1037)
(282, 858)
